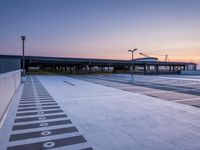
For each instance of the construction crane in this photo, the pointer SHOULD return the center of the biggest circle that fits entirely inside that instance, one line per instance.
(166, 58)
(145, 55)
(149, 55)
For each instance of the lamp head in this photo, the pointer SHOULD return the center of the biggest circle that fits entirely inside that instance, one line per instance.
(130, 50)
(23, 38)
(135, 49)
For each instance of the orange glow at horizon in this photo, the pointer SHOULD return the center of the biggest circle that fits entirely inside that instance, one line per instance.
(102, 29)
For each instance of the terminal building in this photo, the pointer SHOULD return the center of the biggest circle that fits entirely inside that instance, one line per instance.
(144, 66)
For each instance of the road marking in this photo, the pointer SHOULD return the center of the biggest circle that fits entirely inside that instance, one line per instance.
(38, 116)
(41, 133)
(182, 100)
(50, 144)
(69, 83)
(39, 113)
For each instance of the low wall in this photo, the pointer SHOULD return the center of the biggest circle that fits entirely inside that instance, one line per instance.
(9, 83)
(190, 72)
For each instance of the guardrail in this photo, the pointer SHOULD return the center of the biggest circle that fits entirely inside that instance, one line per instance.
(9, 83)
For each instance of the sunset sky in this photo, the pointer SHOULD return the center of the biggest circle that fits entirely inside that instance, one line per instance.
(102, 28)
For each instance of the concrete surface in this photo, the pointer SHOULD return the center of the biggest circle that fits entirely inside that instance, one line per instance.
(176, 88)
(9, 82)
(35, 122)
(190, 72)
(108, 118)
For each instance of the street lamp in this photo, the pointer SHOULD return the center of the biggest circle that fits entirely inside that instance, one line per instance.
(23, 59)
(132, 61)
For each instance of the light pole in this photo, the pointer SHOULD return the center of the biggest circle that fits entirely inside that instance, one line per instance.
(23, 57)
(132, 62)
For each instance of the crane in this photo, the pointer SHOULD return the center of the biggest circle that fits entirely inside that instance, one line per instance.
(166, 58)
(147, 55)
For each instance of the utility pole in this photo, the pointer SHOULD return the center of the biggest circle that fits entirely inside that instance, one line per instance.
(132, 63)
(23, 57)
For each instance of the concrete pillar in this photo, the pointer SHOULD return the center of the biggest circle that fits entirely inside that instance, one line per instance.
(85, 69)
(195, 66)
(145, 69)
(157, 69)
(90, 68)
(173, 69)
(70, 69)
(184, 67)
(101, 68)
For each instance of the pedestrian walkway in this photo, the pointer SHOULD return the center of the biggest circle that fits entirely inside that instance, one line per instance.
(40, 123)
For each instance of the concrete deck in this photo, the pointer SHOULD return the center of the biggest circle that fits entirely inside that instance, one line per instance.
(176, 88)
(106, 118)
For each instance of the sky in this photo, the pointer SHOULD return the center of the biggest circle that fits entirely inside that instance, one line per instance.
(102, 28)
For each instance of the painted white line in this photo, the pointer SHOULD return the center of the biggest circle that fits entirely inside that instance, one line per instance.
(39, 115)
(41, 139)
(42, 128)
(162, 91)
(186, 79)
(40, 121)
(186, 100)
(50, 109)
(152, 92)
(125, 81)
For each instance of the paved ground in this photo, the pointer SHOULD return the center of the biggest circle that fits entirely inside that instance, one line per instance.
(37, 122)
(176, 88)
(65, 113)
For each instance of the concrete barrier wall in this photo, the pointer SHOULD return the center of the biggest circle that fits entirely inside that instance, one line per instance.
(9, 83)
(190, 72)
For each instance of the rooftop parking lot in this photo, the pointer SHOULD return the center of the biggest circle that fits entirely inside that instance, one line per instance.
(176, 88)
(64, 113)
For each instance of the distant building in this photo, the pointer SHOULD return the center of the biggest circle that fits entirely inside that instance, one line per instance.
(147, 59)
(147, 65)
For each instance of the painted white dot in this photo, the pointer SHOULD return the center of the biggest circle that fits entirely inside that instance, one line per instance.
(44, 124)
(44, 133)
(49, 144)
(40, 113)
(39, 108)
(42, 118)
